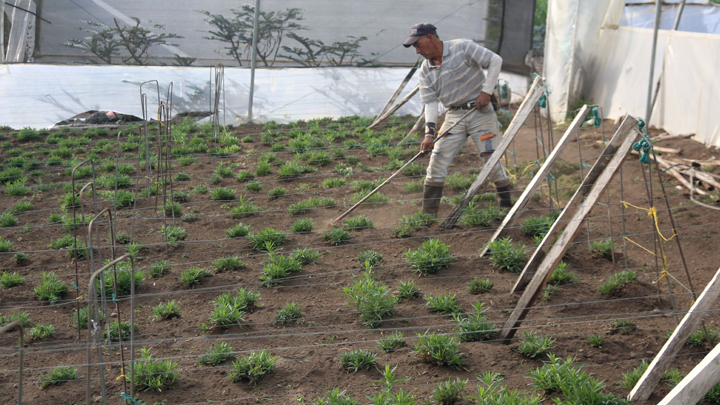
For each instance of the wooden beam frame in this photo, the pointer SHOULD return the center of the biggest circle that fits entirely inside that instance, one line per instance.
(697, 383)
(582, 191)
(400, 88)
(539, 177)
(394, 108)
(604, 170)
(534, 94)
(655, 371)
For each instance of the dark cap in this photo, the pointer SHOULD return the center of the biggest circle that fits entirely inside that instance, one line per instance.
(418, 31)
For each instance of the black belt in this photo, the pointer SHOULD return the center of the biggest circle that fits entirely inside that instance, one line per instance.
(470, 105)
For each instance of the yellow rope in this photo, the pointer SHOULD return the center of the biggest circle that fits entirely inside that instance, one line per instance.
(638, 245)
(652, 212)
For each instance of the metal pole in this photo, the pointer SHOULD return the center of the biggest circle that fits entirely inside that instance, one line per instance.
(252, 61)
(679, 15)
(2, 34)
(658, 14)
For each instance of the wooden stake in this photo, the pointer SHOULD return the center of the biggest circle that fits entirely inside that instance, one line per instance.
(575, 201)
(696, 384)
(607, 170)
(655, 371)
(525, 108)
(394, 108)
(539, 177)
(398, 91)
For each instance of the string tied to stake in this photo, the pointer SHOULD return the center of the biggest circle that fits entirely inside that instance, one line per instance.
(643, 146)
(130, 399)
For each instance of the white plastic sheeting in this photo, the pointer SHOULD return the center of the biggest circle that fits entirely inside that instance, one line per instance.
(588, 55)
(39, 96)
(703, 18)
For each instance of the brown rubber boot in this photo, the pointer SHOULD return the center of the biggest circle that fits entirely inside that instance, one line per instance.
(431, 199)
(504, 196)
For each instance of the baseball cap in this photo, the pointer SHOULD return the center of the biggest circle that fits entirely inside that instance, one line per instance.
(418, 31)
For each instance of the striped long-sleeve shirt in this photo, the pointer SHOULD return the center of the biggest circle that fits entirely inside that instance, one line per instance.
(460, 78)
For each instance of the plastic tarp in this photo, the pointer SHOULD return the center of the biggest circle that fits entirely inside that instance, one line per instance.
(39, 96)
(588, 55)
(702, 18)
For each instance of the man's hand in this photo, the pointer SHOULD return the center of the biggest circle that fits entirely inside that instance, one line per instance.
(427, 145)
(482, 100)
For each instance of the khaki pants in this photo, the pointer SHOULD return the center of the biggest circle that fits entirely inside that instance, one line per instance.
(482, 126)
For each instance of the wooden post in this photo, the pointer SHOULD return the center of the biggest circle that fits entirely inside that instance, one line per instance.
(539, 177)
(398, 91)
(573, 226)
(526, 107)
(696, 384)
(575, 201)
(394, 108)
(665, 356)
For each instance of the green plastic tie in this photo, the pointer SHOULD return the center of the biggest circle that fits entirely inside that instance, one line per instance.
(130, 399)
(504, 91)
(73, 284)
(114, 298)
(596, 117)
(543, 100)
(643, 147)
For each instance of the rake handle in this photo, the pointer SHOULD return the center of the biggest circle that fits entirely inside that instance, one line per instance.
(403, 167)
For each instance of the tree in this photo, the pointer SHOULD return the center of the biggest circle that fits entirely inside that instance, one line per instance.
(107, 42)
(104, 42)
(237, 31)
(315, 51)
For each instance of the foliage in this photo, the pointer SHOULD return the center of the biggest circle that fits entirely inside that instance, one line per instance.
(369, 256)
(59, 375)
(473, 215)
(430, 258)
(479, 286)
(305, 255)
(449, 392)
(238, 230)
(167, 310)
(337, 397)
(596, 340)
(418, 219)
(700, 336)
(336, 236)
(152, 374)
(602, 248)
(159, 268)
(267, 238)
(38, 332)
(288, 313)
(616, 282)
(314, 52)
(174, 234)
(106, 42)
(228, 264)
(392, 342)
(443, 304)
(533, 345)
(475, 326)
(562, 275)
(407, 290)
(253, 367)
(357, 360)
(193, 276)
(217, 354)
(222, 194)
(302, 225)
(624, 326)
(633, 376)
(236, 31)
(507, 255)
(371, 299)
(10, 280)
(114, 335)
(50, 289)
(358, 223)
(439, 349)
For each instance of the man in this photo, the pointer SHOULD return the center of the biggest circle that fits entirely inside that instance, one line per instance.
(452, 74)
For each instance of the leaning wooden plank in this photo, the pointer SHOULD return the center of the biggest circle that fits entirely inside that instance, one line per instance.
(526, 107)
(398, 91)
(655, 371)
(539, 177)
(625, 127)
(394, 108)
(557, 251)
(696, 384)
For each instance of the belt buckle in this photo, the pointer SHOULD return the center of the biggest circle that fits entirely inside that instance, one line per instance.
(470, 105)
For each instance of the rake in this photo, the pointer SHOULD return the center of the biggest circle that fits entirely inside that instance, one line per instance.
(403, 167)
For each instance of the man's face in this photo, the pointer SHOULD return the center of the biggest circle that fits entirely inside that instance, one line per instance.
(422, 47)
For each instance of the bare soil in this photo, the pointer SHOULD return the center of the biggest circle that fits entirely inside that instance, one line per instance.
(308, 352)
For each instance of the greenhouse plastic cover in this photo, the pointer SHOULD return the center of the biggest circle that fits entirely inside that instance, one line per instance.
(589, 55)
(38, 96)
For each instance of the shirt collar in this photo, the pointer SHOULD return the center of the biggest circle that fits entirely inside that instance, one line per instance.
(446, 52)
